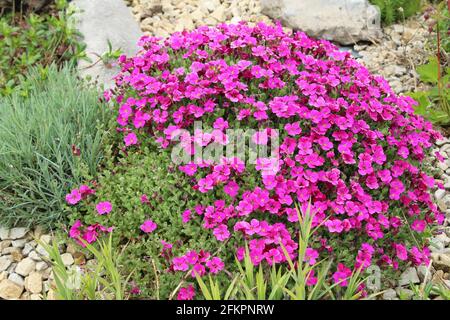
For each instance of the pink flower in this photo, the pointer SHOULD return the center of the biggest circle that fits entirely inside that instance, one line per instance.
(186, 216)
(144, 199)
(130, 139)
(215, 265)
(341, 275)
(186, 293)
(74, 231)
(311, 280)
(231, 189)
(189, 169)
(418, 225)
(401, 252)
(104, 207)
(73, 197)
(221, 232)
(311, 256)
(397, 188)
(334, 225)
(148, 226)
(180, 264)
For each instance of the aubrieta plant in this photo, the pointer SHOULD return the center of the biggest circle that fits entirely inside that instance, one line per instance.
(347, 143)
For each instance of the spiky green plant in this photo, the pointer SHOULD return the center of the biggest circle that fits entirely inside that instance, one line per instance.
(396, 10)
(50, 141)
(102, 281)
(284, 282)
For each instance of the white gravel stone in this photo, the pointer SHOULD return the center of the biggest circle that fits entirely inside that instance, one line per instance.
(409, 276)
(14, 277)
(20, 243)
(439, 194)
(5, 262)
(25, 267)
(67, 259)
(17, 233)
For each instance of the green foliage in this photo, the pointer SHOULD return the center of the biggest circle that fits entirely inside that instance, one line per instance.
(123, 180)
(100, 281)
(396, 10)
(434, 104)
(51, 141)
(31, 40)
(284, 282)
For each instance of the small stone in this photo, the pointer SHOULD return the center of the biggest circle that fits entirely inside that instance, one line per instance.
(14, 277)
(16, 253)
(10, 290)
(436, 245)
(3, 275)
(423, 271)
(4, 233)
(46, 238)
(27, 249)
(25, 296)
(71, 249)
(38, 232)
(409, 276)
(19, 243)
(441, 261)
(443, 239)
(79, 258)
(40, 266)
(442, 142)
(33, 282)
(439, 194)
(12, 267)
(405, 294)
(4, 244)
(25, 267)
(51, 295)
(42, 252)
(35, 256)
(17, 233)
(5, 262)
(219, 14)
(67, 259)
(35, 296)
(390, 294)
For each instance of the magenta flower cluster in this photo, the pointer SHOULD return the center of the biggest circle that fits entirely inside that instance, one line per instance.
(348, 143)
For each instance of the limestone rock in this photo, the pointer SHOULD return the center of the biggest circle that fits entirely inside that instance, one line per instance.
(10, 290)
(5, 262)
(67, 259)
(25, 267)
(33, 283)
(409, 276)
(343, 21)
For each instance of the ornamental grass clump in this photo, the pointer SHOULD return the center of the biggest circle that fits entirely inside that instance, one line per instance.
(347, 143)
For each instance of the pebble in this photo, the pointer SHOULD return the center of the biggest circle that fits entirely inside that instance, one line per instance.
(33, 283)
(390, 294)
(67, 259)
(409, 276)
(10, 290)
(5, 262)
(25, 266)
(14, 277)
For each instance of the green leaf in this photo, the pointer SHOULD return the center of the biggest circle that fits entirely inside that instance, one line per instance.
(429, 72)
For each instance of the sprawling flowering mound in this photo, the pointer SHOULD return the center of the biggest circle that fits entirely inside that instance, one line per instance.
(347, 142)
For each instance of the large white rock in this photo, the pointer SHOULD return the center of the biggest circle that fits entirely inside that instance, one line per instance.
(101, 21)
(343, 21)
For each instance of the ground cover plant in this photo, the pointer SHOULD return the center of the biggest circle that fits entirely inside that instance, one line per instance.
(51, 141)
(397, 10)
(347, 143)
(29, 38)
